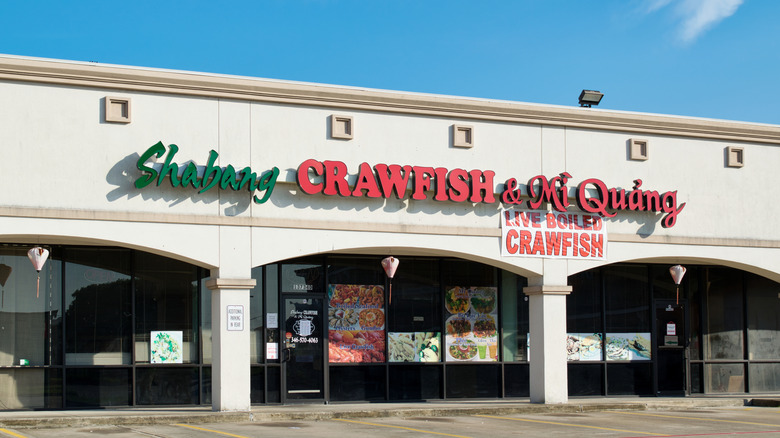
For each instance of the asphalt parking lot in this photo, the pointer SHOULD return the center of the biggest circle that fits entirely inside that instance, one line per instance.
(717, 422)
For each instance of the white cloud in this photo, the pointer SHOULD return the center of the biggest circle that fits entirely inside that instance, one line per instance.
(654, 5)
(697, 16)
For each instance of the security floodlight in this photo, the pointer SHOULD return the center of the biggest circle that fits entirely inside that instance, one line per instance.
(590, 97)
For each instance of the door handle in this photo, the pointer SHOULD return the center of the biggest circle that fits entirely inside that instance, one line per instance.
(286, 354)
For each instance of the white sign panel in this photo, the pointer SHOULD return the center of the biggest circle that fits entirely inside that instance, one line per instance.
(235, 318)
(552, 234)
(272, 350)
(272, 320)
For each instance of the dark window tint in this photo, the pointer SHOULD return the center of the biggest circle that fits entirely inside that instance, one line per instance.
(306, 275)
(473, 381)
(98, 308)
(356, 383)
(583, 305)
(415, 382)
(88, 387)
(629, 378)
(166, 386)
(516, 380)
(585, 379)
(165, 300)
(415, 305)
(626, 298)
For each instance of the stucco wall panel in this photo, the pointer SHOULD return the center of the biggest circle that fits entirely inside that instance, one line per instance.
(195, 244)
(277, 244)
(765, 261)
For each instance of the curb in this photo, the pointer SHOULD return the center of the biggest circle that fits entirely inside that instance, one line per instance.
(262, 415)
(765, 402)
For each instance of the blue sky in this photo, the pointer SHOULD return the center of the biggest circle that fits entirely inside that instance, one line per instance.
(702, 58)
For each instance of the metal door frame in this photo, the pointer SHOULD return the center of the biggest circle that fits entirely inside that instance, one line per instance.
(685, 338)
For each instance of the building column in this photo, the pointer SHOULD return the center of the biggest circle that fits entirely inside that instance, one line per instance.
(230, 372)
(230, 285)
(547, 324)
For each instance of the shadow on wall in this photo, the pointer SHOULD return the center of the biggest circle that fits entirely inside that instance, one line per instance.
(125, 172)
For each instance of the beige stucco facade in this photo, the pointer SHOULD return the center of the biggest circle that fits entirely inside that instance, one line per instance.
(68, 177)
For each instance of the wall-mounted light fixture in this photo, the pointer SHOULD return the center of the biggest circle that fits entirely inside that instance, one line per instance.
(590, 97)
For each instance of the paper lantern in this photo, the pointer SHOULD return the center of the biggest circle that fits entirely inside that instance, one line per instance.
(38, 258)
(678, 272)
(390, 264)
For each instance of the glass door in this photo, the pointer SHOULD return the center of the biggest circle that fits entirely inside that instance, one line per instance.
(671, 340)
(303, 354)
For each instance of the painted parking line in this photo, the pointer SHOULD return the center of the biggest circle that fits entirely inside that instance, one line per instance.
(573, 425)
(14, 434)
(203, 429)
(714, 420)
(717, 434)
(399, 427)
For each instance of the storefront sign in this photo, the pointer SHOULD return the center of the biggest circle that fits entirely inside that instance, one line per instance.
(384, 181)
(235, 318)
(422, 182)
(541, 233)
(458, 185)
(226, 178)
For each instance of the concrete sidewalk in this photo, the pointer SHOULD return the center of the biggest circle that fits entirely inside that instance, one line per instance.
(202, 415)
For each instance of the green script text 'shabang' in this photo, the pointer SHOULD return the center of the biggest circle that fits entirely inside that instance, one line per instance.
(226, 177)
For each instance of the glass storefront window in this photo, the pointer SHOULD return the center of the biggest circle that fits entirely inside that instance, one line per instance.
(303, 276)
(357, 314)
(414, 316)
(98, 308)
(723, 301)
(30, 317)
(725, 378)
(627, 299)
(471, 308)
(272, 305)
(764, 377)
(473, 381)
(91, 387)
(409, 382)
(256, 318)
(584, 318)
(514, 318)
(416, 300)
(627, 318)
(763, 303)
(166, 386)
(166, 308)
(205, 320)
(34, 388)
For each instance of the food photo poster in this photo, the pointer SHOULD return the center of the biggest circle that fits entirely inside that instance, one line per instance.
(471, 329)
(356, 323)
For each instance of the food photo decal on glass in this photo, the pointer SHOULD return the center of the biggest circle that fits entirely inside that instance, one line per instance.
(471, 330)
(356, 323)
